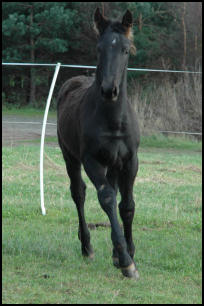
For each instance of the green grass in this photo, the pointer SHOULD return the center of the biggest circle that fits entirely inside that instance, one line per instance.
(26, 111)
(170, 142)
(42, 262)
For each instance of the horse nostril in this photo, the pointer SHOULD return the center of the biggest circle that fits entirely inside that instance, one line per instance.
(102, 91)
(115, 91)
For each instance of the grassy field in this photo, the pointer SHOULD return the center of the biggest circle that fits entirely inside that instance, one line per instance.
(42, 262)
(27, 111)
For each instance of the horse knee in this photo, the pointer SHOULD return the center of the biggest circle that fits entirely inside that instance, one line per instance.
(107, 198)
(127, 210)
(78, 192)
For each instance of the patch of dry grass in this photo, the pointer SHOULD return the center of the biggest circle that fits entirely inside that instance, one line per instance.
(169, 106)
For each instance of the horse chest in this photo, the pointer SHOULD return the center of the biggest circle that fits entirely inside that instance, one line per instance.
(110, 145)
(112, 150)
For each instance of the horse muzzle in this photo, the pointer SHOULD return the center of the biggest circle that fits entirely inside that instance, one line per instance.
(109, 91)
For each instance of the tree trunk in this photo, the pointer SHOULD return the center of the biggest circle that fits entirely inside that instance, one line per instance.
(32, 58)
(140, 22)
(103, 11)
(184, 36)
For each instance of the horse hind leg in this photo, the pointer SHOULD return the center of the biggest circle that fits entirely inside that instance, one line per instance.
(78, 189)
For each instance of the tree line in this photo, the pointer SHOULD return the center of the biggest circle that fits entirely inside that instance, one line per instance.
(167, 35)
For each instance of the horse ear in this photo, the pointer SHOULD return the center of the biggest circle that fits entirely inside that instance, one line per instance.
(100, 22)
(127, 19)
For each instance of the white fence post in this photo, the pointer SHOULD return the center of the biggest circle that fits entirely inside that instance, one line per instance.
(43, 137)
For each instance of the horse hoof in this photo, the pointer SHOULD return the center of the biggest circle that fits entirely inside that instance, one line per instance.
(88, 257)
(91, 256)
(130, 272)
(88, 252)
(116, 262)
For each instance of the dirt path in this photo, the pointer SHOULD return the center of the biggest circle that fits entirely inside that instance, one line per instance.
(19, 129)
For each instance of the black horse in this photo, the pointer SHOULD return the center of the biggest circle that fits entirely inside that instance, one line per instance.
(97, 127)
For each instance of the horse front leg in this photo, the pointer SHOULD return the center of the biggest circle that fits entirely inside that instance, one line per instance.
(127, 204)
(107, 199)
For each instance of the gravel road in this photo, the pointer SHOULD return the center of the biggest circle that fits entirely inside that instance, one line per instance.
(20, 129)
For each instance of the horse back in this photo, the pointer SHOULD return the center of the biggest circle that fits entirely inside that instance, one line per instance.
(72, 91)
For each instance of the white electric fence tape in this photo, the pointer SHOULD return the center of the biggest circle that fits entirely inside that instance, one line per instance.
(94, 67)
